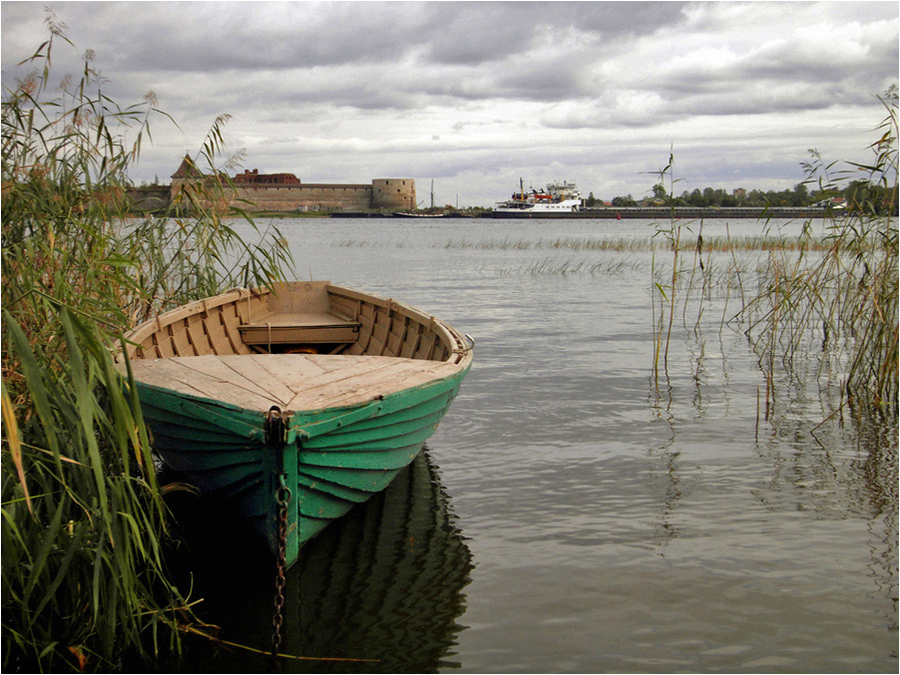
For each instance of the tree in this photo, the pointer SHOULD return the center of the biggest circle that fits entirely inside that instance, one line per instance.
(624, 201)
(659, 192)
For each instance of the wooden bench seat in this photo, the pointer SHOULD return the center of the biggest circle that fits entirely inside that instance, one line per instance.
(299, 328)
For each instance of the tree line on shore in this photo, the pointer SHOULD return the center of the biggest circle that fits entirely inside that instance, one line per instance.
(882, 198)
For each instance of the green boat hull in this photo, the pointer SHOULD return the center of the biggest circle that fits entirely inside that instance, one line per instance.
(329, 460)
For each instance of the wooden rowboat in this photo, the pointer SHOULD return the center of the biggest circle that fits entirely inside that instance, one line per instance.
(294, 402)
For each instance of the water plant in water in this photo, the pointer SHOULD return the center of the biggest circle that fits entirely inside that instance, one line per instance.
(840, 308)
(822, 306)
(85, 584)
(671, 233)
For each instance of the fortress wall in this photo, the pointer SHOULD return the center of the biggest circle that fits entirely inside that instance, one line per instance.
(314, 197)
(149, 198)
(254, 191)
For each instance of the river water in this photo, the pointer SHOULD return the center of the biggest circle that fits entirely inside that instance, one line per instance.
(575, 512)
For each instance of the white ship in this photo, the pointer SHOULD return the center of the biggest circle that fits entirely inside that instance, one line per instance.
(557, 199)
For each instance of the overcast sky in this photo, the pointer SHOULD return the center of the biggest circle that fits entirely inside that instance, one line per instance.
(476, 95)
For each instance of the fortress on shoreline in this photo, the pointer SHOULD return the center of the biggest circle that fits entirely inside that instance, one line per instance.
(254, 191)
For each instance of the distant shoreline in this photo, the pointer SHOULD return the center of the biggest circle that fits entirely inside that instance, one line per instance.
(155, 200)
(624, 212)
(629, 212)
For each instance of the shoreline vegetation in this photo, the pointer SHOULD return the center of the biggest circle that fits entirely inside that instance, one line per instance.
(86, 531)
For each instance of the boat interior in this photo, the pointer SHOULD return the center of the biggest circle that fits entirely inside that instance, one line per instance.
(296, 318)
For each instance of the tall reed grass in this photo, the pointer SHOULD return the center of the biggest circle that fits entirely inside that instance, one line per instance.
(840, 308)
(816, 306)
(84, 526)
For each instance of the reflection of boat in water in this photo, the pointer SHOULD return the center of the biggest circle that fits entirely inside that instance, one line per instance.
(385, 582)
(388, 584)
(558, 199)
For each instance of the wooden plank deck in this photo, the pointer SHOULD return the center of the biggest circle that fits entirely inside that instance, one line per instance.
(294, 382)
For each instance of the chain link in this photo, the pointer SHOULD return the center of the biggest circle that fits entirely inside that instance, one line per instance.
(283, 496)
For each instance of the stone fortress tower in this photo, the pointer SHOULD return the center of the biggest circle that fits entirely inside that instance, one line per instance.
(393, 193)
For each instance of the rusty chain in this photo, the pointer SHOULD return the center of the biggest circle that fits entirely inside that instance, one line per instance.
(283, 497)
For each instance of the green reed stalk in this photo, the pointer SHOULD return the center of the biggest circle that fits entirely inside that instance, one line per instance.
(672, 235)
(672, 291)
(84, 527)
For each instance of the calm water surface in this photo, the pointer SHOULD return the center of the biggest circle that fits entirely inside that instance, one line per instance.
(573, 513)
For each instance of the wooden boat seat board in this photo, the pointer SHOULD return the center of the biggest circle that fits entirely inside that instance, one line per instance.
(293, 382)
(294, 328)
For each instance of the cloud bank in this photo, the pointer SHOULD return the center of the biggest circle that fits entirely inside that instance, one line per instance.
(477, 95)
